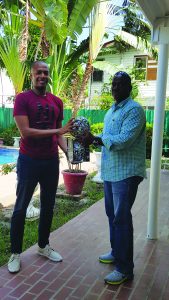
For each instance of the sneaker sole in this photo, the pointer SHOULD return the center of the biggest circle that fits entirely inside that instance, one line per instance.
(106, 261)
(50, 258)
(13, 272)
(118, 282)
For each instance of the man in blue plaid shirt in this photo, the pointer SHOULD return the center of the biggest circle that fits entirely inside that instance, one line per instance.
(122, 169)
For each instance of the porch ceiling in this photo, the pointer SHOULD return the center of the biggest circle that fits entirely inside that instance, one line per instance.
(154, 9)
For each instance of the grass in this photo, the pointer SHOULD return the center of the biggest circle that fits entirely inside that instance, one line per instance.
(65, 210)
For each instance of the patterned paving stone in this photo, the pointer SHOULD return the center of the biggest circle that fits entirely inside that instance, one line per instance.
(80, 275)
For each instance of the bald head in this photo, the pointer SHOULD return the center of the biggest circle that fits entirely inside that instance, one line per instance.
(121, 86)
(39, 77)
(38, 62)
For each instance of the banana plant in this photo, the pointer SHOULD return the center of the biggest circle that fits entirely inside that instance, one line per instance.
(60, 23)
(9, 48)
(105, 15)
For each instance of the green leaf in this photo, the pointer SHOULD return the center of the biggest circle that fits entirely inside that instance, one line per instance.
(78, 17)
(108, 67)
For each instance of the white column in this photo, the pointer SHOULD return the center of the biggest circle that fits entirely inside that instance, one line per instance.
(154, 191)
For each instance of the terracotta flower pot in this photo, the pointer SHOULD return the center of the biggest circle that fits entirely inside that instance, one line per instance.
(74, 181)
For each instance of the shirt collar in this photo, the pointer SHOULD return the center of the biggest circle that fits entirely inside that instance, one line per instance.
(121, 104)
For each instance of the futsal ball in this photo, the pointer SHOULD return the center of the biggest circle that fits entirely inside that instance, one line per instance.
(80, 127)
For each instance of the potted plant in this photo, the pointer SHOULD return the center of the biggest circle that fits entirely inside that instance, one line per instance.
(74, 177)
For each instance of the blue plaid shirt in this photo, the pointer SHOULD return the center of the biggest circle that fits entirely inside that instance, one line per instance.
(124, 150)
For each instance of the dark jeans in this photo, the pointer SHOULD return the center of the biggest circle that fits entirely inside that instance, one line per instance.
(119, 198)
(30, 172)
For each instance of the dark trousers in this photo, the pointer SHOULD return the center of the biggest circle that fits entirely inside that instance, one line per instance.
(119, 198)
(30, 172)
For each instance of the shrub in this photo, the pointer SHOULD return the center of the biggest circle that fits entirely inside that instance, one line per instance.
(149, 132)
(103, 102)
(8, 135)
(96, 129)
(165, 144)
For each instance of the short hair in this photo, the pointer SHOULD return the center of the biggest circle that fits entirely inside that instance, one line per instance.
(124, 76)
(37, 62)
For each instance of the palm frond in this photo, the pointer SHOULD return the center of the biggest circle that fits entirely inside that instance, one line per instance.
(108, 67)
(16, 69)
(80, 12)
(139, 43)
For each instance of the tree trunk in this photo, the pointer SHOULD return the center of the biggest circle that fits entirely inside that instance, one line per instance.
(24, 36)
(80, 97)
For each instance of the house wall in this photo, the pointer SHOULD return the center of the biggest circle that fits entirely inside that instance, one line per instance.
(147, 89)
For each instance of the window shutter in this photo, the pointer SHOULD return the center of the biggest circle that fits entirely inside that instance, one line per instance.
(151, 69)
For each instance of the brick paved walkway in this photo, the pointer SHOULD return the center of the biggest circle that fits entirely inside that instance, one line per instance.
(80, 275)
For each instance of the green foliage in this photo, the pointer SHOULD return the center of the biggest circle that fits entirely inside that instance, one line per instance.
(96, 129)
(149, 132)
(4, 242)
(103, 102)
(7, 168)
(165, 144)
(135, 89)
(8, 134)
(79, 14)
(56, 21)
(167, 104)
(9, 48)
(134, 22)
(148, 163)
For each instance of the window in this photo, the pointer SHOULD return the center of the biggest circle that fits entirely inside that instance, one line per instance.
(140, 66)
(145, 68)
(98, 74)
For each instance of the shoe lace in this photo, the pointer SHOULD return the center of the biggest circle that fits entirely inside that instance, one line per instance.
(49, 249)
(14, 256)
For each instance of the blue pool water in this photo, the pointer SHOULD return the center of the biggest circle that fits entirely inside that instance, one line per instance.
(8, 155)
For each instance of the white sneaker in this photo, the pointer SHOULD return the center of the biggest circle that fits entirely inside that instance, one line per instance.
(50, 253)
(14, 263)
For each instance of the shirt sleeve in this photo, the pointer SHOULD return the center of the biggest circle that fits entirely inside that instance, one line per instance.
(134, 122)
(20, 107)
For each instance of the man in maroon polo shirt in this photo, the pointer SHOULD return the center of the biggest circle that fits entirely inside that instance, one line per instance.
(38, 115)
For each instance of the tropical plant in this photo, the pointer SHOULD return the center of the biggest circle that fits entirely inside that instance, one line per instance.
(8, 134)
(60, 23)
(149, 132)
(10, 48)
(105, 15)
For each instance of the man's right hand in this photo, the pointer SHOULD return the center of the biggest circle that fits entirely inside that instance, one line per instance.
(67, 127)
(86, 139)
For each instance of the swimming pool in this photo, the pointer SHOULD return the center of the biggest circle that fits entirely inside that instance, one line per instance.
(8, 155)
